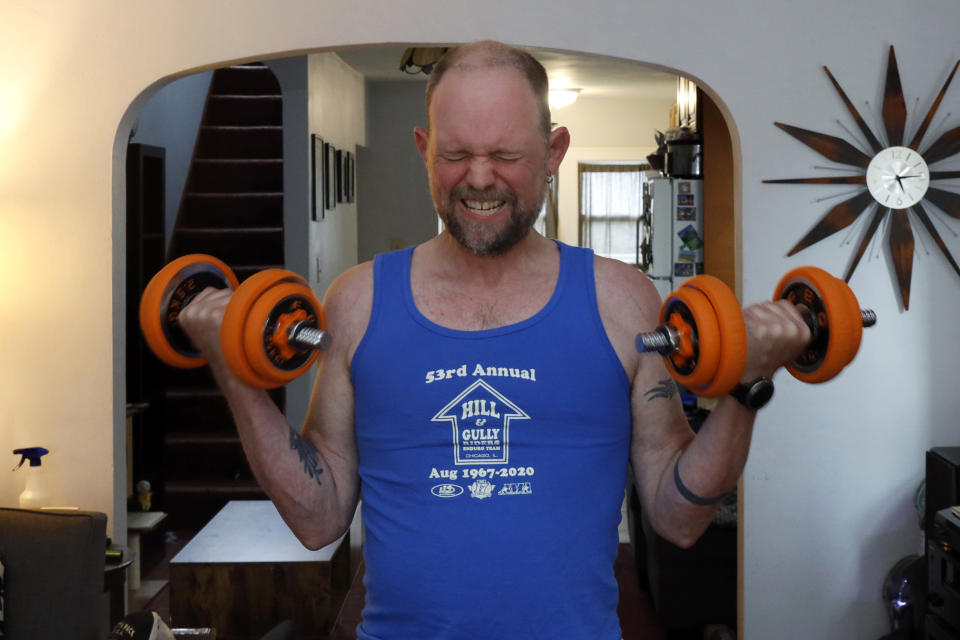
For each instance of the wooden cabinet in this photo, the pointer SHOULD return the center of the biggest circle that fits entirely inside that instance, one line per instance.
(245, 572)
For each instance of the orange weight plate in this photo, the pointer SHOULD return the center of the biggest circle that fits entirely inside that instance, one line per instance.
(822, 294)
(265, 339)
(167, 293)
(733, 335)
(235, 318)
(700, 335)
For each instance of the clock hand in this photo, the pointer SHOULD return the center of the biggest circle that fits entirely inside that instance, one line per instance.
(899, 183)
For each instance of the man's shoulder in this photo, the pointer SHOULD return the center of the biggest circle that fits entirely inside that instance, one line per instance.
(353, 281)
(620, 284)
(349, 299)
(628, 303)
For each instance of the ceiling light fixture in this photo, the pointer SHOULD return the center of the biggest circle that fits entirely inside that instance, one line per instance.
(563, 97)
(421, 59)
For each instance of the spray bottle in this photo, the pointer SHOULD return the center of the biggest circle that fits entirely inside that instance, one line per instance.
(35, 495)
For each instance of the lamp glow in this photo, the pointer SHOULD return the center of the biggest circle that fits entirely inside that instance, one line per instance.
(563, 97)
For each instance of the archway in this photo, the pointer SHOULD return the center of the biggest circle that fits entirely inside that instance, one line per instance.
(726, 161)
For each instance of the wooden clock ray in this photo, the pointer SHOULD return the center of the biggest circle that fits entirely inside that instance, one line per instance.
(897, 178)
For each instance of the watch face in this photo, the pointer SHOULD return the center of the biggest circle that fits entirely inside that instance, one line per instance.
(760, 393)
(897, 177)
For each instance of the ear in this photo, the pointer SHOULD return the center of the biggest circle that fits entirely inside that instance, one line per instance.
(559, 143)
(422, 138)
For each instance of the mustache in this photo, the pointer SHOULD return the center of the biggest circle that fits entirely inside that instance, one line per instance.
(464, 192)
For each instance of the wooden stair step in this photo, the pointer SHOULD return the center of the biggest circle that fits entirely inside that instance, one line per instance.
(203, 457)
(236, 175)
(245, 271)
(201, 439)
(244, 110)
(201, 403)
(248, 488)
(198, 378)
(263, 209)
(245, 79)
(205, 409)
(233, 246)
(264, 141)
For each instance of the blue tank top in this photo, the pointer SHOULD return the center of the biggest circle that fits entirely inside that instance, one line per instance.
(492, 466)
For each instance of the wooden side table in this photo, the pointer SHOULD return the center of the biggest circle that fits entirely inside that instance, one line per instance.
(245, 572)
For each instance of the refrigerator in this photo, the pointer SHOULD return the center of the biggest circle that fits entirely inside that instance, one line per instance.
(673, 211)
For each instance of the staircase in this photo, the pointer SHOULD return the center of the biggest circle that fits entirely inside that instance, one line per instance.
(232, 208)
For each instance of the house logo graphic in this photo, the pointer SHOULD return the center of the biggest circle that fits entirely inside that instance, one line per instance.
(480, 419)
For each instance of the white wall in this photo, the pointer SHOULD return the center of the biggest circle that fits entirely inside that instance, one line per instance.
(337, 113)
(828, 482)
(604, 129)
(323, 96)
(171, 119)
(293, 76)
(395, 206)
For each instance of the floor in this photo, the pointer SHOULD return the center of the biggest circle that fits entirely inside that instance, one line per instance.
(637, 617)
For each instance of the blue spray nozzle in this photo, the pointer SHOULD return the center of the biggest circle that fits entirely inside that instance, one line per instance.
(30, 453)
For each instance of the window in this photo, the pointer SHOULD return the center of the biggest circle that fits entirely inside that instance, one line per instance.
(611, 210)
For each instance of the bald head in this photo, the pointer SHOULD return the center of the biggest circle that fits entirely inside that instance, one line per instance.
(488, 54)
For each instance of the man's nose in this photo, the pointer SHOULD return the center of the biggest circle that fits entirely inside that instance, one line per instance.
(480, 174)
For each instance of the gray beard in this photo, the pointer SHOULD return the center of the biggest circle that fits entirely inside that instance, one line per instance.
(522, 219)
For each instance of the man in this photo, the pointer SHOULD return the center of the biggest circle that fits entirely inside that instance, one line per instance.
(484, 391)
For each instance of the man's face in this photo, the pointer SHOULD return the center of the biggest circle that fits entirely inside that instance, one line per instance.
(486, 157)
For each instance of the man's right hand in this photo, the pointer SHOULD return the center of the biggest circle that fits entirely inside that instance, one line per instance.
(202, 319)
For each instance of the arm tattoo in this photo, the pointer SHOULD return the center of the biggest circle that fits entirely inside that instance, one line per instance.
(309, 457)
(666, 388)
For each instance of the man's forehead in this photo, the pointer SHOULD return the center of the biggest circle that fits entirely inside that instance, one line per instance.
(464, 77)
(468, 91)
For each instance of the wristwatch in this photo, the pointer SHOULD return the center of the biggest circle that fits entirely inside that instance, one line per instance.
(754, 394)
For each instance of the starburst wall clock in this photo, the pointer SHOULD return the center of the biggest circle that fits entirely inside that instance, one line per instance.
(896, 183)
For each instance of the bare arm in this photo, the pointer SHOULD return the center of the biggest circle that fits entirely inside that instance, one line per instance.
(663, 444)
(311, 474)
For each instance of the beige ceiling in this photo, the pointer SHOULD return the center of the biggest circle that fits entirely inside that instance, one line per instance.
(594, 75)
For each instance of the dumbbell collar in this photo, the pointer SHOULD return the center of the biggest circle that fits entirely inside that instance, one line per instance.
(663, 340)
(302, 334)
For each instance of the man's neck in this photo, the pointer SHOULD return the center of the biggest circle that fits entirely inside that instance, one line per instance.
(457, 289)
(460, 263)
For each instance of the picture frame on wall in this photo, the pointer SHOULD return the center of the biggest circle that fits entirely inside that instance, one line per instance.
(329, 175)
(353, 177)
(350, 176)
(317, 176)
(340, 175)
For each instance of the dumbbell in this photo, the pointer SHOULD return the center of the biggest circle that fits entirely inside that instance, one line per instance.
(703, 339)
(273, 326)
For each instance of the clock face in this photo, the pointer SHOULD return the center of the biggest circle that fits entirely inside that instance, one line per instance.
(897, 177)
